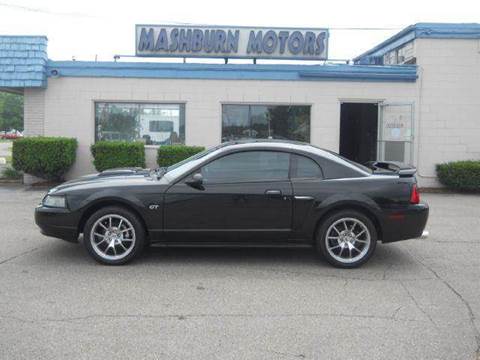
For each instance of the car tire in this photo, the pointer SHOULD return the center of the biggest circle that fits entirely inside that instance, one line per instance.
(346, 239)
(114, 235)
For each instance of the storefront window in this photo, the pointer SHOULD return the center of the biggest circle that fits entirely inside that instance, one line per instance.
(155, 124)
(266, 121)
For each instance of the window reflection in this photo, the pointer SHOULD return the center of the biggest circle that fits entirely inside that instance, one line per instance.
(155, 124)
(266, 121)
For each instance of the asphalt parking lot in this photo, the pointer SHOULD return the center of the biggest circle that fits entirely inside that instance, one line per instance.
(418, 299)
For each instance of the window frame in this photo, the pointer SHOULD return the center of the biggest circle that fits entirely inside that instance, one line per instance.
(138, 102)
(267, 104)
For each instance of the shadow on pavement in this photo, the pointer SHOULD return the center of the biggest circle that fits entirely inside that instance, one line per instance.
(72, 254)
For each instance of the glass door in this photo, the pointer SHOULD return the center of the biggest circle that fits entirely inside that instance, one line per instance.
(395, 132)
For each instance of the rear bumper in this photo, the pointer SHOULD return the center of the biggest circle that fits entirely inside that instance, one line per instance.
(405, 223)
(58, 223)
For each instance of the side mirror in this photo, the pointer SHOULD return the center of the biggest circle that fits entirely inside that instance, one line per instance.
(196, 181)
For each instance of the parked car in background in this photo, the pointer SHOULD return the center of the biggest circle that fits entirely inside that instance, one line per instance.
(11, 135)
(244, 193)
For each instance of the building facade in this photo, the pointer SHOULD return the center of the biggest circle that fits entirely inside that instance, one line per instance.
(414, 98)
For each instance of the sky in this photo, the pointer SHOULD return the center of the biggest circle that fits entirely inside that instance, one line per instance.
(89, 30)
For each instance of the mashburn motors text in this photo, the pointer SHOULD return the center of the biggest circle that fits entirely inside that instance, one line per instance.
(225, 42)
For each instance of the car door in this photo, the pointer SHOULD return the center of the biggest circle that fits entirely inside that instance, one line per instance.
(306, 177)
(244, 196)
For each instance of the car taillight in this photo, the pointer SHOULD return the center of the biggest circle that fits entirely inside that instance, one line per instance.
(415, 195)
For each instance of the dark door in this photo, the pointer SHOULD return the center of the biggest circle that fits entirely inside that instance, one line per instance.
(358, 131)
(245, 196)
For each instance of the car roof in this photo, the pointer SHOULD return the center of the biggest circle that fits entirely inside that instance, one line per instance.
(291, 146)
(278, 144)
(270, 143)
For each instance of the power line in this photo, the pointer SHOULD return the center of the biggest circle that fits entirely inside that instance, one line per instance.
(75, 14)
(43, 11)
(366, 28)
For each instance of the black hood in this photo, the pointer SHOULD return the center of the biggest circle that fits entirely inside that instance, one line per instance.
(104, 176)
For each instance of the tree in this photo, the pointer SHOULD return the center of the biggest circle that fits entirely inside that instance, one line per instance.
(11, 112)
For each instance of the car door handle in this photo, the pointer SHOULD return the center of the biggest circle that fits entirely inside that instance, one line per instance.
(273, 193)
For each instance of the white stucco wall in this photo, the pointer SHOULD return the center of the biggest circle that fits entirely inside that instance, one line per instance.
(69, 105)
(449, 103)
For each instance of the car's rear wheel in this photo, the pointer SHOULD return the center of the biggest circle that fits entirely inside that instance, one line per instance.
(114, 235)
(347, 239)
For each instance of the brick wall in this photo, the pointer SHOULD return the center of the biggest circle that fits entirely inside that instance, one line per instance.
(34, 111)
(449, 102)
(34, 117)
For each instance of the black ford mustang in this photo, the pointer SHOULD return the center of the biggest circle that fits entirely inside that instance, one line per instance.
(255, 193)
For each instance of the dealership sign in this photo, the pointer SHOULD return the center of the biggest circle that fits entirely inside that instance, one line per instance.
(231, 42)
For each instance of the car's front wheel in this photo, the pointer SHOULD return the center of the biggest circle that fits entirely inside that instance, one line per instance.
(114, 235)
(347, 239)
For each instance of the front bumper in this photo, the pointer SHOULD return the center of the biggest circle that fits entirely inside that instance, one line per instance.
(58, 223)
(405, 223)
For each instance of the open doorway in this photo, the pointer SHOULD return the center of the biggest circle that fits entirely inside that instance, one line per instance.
(358, 131)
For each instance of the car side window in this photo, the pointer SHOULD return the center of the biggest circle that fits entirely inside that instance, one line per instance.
(305, 168)
(248, 166)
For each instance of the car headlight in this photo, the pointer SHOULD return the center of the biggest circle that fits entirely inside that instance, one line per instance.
(55, 201)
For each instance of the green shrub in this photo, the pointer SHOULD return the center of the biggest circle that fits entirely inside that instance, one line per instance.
(45, 157)
(171, 154)
(460, 175)
(115, 154)
(11, 174)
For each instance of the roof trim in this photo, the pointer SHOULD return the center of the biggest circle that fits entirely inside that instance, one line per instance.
(422, 31)
(231, 71)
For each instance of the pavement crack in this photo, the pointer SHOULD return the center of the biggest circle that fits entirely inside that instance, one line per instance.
(209, 315)
(385, 270)
(417, 305)
(346, 279)
(284, 354)
(471, 314)
(19, 255)
(394, 315)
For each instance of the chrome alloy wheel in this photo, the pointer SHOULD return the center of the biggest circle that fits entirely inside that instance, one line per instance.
(112, 237)
(347, 240)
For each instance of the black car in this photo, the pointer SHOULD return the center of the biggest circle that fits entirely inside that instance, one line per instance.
(246, 193)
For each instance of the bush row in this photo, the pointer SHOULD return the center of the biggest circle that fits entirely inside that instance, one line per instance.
(115, 154)
(51, 157)
(172, 154)
(45, 157)
(460, 175)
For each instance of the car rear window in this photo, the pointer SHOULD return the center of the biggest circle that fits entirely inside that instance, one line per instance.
(305, 168)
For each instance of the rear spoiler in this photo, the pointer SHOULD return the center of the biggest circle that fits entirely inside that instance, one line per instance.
(387, 167)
